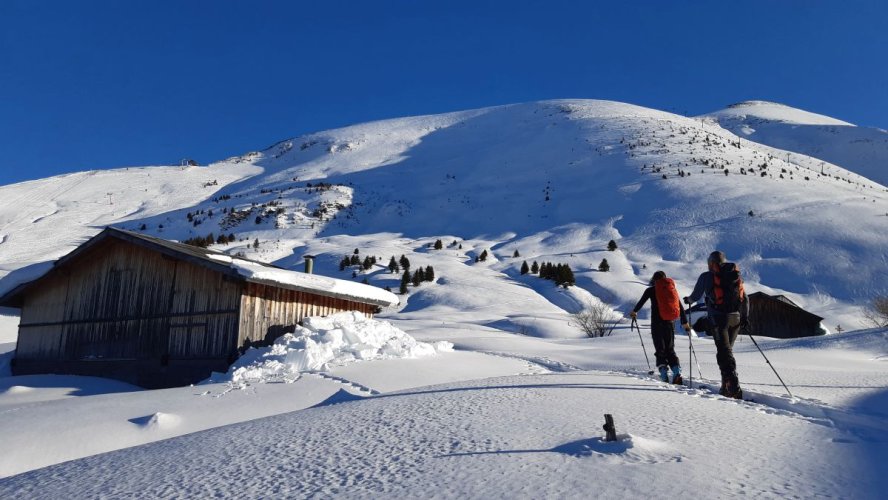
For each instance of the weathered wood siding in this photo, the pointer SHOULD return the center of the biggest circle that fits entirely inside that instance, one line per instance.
(267, 312)
(122, 301)
(772, 318)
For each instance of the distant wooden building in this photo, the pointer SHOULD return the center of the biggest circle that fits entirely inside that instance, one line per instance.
(157, 313)
(777, 316)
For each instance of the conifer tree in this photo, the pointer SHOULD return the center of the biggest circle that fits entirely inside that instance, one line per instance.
(524, 268)
(367, 264)
(439, 245)
(604, 266)
(611, 245)
(516, 254)
(344, 263)
(231, 238)
(256, 243)
(356, 252)
(429, 273)
(418, 276)
(393, 266)
(569, 275)
(534, 268)
(405, 263)
(483, 256)
(405, 279)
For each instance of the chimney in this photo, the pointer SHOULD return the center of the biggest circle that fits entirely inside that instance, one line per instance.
(309, 264)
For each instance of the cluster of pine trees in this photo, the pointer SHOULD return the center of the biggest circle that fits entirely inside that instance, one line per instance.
(420, 275)
(355, 260)
(561, 274)
(205, 241)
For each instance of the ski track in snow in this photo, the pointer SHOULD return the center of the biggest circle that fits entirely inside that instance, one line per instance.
(506, 437)
(815, 412)
(543, 362)
(349, 383)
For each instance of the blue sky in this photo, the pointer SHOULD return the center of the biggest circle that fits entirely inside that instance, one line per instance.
(101, 84)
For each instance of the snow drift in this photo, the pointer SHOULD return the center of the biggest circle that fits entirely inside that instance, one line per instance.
(322, 342)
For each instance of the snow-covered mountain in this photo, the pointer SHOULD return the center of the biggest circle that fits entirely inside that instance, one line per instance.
(515, 408)
(863, 150)
(553, 180)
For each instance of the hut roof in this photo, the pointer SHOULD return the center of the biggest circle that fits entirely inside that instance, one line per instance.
(236, 267)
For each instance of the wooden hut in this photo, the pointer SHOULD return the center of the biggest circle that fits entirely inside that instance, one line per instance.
(157, 313)
(777, 316)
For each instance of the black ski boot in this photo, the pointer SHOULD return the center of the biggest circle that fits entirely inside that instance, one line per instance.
(732, 389)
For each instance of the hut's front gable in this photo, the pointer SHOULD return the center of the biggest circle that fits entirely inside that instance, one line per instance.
(118, 302)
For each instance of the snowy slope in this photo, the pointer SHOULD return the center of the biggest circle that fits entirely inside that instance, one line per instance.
(516, 410)
(529, 436)
(45, 219)
(554, 180)
(863, 150)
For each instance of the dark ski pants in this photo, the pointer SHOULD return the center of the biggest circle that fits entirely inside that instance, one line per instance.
(725, 335)
(663, 334)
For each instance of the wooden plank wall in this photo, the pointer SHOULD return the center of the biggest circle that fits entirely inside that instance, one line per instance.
(771, 318)
(268, 312)
(122, 301)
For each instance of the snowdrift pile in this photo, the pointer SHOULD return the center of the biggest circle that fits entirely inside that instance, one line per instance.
(323, 342)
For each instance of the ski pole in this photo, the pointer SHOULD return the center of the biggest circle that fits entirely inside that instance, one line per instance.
(690, 349)
(697, 360)
(632, 325)
(769, 363)
(694, 351)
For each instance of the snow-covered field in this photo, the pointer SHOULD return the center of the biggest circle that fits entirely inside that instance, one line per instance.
(504, 416)
(516, 407)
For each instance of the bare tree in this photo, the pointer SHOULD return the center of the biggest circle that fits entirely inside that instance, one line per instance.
(596, 319)
(876, 313)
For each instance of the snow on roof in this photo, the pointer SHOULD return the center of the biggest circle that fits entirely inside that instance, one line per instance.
(256, 272)
(268, 274)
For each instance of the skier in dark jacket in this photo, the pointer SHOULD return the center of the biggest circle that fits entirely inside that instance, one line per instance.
(725, 319)
(662, 331)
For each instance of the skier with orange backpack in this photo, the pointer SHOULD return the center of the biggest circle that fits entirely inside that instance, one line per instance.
(728, 311)
(665, 309)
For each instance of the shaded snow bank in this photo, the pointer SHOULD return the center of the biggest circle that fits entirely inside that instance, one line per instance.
(322, 342)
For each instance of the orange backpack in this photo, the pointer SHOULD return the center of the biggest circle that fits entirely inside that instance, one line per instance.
(667, 299)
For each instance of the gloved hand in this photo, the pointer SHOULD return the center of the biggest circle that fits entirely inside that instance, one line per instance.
(633, 314)
(687, 300)
(687, 327)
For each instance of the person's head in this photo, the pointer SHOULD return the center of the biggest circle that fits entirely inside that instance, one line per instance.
(657, 275)
(716, 259)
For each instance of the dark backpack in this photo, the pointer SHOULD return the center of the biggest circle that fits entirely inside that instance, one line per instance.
(728, 288)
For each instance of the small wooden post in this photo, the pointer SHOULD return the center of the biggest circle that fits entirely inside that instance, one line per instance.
(609, 428)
